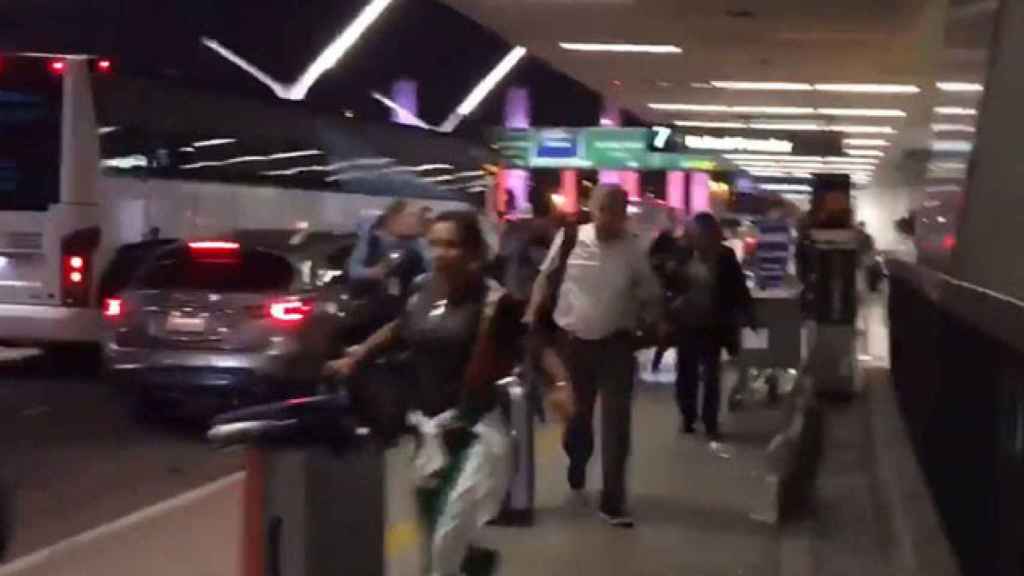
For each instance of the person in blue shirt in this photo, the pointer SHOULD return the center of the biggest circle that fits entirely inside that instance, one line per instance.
(398, 230)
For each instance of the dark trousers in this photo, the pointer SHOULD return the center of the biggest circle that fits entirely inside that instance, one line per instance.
(699, 360)
(606, 366)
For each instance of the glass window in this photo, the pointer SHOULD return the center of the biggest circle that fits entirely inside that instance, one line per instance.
(30, 118)
(182, 268)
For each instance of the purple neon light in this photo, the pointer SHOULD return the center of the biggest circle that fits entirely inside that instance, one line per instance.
(404, 93)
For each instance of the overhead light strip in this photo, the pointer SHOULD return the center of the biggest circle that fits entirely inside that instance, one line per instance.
(793, 127)
(483, 88)
(960, 86)
(621, 47)
(955, 111)
(866, 142)
(806, 87)
(953, 128)
(327, 59)
(779, 110)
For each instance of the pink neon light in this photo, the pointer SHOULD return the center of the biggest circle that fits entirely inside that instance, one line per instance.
(700, 192)
(630, 181)
(675, 189)
(570, 192)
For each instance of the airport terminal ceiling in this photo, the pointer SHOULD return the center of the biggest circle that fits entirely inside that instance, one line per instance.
(804, 46)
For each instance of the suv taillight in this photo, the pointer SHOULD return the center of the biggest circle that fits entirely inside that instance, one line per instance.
(113, 307)
(289, 311)
(75, 280)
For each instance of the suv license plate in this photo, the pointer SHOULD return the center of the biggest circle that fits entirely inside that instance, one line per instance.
(187, 324)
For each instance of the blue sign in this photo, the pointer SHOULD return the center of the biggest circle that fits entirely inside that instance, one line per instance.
(557, 144)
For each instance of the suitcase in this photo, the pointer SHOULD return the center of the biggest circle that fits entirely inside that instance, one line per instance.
(519, 413)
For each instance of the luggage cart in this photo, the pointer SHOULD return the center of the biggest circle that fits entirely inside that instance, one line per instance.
(776, 348)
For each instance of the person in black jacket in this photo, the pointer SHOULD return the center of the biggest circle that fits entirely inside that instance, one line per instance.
(709, 304)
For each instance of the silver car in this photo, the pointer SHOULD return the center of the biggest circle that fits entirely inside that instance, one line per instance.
(209, 325)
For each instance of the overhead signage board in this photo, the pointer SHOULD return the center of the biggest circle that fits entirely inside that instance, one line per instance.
(592, 148)
(716, 140)
(557, 143)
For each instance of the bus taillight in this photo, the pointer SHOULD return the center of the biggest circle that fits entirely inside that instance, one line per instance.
(75, 280)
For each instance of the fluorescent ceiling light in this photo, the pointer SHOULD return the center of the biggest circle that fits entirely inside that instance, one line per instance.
(620, 47)
(856, 129)
(955, 111)
(796, 127)
(792, 158)
(483, 88)
(869, 88)
(805, 87)
(867, 112)
(690, 107)
(780, 86)
(786, 187)
(213, 142)
(953, 128)
(960, 86)
(781, 174)
(866, 142)
(781, 110)
(327, 59)
(960, 146)
(698, 124)
(864, 152)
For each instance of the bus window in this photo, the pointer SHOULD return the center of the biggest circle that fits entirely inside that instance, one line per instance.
(30, 113)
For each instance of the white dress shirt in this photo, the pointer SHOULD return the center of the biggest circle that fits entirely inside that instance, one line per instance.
(607, 285)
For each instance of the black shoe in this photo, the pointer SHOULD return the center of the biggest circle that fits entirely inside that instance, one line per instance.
(688, 428)
(577, 476)
(714, 436)
(480, 562)
(617, 517)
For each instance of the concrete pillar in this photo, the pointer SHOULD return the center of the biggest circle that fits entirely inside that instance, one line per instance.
(986, 252)
(404, 93)
(517, 115)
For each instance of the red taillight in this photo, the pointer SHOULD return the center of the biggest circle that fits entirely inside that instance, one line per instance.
(74, 280)
(57, 66)
(104, 65)
(112, 307)
(289, 311)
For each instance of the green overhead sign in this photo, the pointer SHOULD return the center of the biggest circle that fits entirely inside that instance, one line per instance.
(593, 148)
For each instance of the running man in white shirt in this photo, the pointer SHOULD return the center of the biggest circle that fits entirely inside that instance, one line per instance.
(607, 288)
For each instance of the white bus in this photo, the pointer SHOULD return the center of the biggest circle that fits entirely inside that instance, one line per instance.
(90, 161)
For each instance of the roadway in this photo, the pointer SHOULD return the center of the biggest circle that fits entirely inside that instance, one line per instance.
(77, 455)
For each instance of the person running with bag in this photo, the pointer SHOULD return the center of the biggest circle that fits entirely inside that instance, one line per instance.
(459, 329)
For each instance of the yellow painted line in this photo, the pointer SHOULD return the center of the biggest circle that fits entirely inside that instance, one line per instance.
(548, 440)
(400, 538)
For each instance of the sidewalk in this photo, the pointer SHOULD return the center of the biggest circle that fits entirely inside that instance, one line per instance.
(697, 508)
(693, 507)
